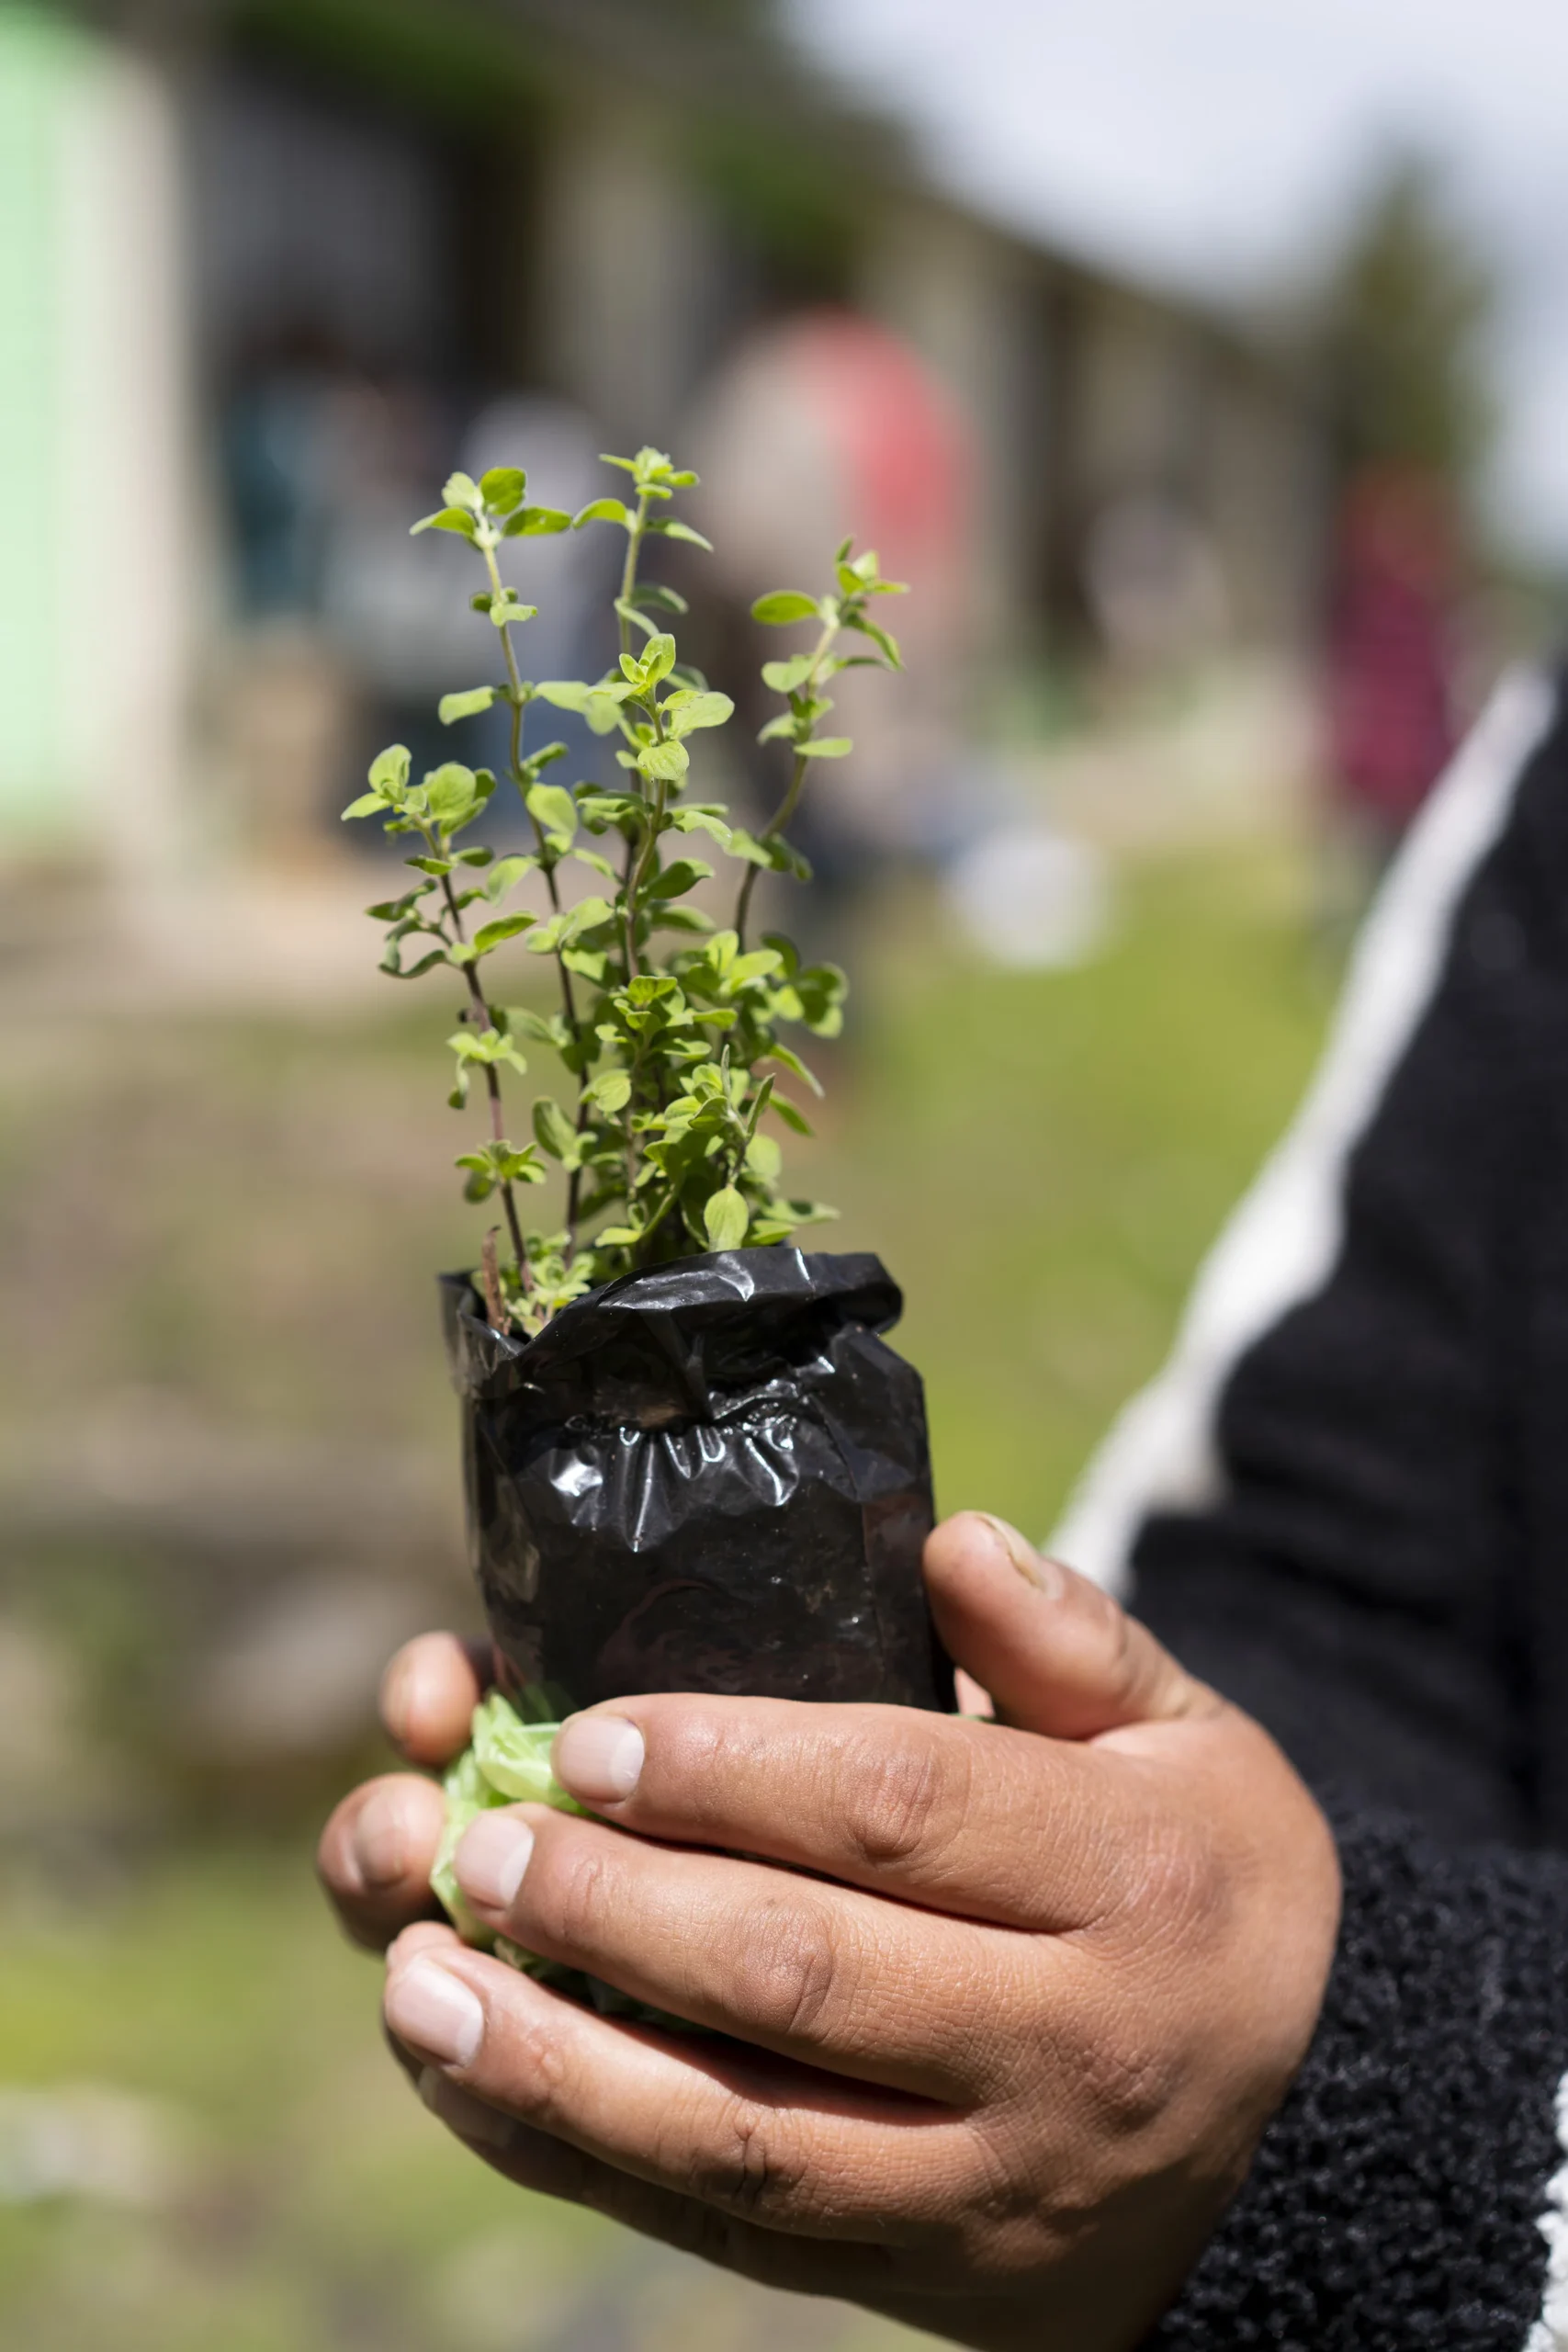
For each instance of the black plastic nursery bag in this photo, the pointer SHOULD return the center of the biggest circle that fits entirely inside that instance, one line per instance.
(711, 1476)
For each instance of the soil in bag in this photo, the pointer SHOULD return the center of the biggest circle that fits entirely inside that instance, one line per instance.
(713, 1476)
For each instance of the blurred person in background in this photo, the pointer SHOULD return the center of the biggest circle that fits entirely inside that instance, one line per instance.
(1406, 315)
(1393, 658)
(859, 434)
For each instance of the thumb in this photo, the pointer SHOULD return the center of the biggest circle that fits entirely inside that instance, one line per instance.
(1057, 1654)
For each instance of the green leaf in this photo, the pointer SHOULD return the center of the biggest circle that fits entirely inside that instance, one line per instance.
(790, 1115)
(657, 659)
(611, 1092)
(505, 874)
(825, 747)
(785, 676)
(450, 518)
(490, 935)
(433, 865)
(603, 509)
(600, 808)
(369, 804)
(725, 1218)
(702, 820)
(792, 1061)
(534, 522)
(503, 487)
(467, 704)
(550, 1029)
(685, 712)
(616, 1236)
(746, 845)
(505, 609)
(389, 769)
(599, 705)
(665, 917)
(670, 529)
(552, 806)
(784, 605)
(666, 762)
(462, 489)
(764, 1159)
(393, 967)
(628, 612)
(655, 598)
(882, 638)
(556, 1133)
(452, 793)
(674, 880)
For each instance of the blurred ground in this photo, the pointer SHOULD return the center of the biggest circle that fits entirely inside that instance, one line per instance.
(229, 1483)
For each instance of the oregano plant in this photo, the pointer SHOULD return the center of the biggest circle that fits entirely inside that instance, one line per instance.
(672, 1030)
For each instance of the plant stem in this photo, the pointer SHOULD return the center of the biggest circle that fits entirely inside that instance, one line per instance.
(480, 1012)
(639, 871)
(635, 537)
(490, 1271)
(519, 777)
(787, 806)
(776, 824)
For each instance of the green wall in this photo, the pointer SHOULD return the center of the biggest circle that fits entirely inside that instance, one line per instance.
(45, 66)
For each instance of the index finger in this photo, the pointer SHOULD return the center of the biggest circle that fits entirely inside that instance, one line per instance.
(966, 1818)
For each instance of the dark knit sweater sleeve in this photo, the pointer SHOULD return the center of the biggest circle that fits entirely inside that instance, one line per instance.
(1406, 2195)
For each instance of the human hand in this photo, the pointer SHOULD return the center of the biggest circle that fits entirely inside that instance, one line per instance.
(994, 2069)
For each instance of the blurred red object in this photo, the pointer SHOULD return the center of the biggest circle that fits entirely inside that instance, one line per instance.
(824, 422)
(1392, 655)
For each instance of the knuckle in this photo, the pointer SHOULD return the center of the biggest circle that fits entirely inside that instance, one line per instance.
(569, 1896)
(1124, 1651)
(745, 2167)
(536, 2073)
(1127, 2080)
(897, 1803)
(789, 1971)
(1179, 1887)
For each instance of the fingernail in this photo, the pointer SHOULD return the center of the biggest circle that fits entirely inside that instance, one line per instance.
(382, 1836)
(463, 2113)
(491, 1856)
(1032, 1566)
(599, 1758)
(427, 2007)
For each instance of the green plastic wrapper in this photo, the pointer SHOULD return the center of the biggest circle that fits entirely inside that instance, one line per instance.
(507, 1761)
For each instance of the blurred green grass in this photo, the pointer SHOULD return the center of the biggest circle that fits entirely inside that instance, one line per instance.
(1039, 1158)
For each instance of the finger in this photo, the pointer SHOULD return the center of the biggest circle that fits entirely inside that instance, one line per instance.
(962, 1817)
(429, 1693)
(375, 1854)
(747, 2135)
(533, 2160)
(1057, 1654)
(821, 1974)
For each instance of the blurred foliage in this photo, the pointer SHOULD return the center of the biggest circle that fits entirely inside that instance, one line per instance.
(1407, 331)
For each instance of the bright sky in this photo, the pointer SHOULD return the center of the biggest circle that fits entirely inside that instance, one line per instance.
(1218, 143)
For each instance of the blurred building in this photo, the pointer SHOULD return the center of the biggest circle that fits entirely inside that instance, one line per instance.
(267, 267)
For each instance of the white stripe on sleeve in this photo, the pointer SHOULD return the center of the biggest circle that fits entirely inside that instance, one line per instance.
(1282, 1241)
